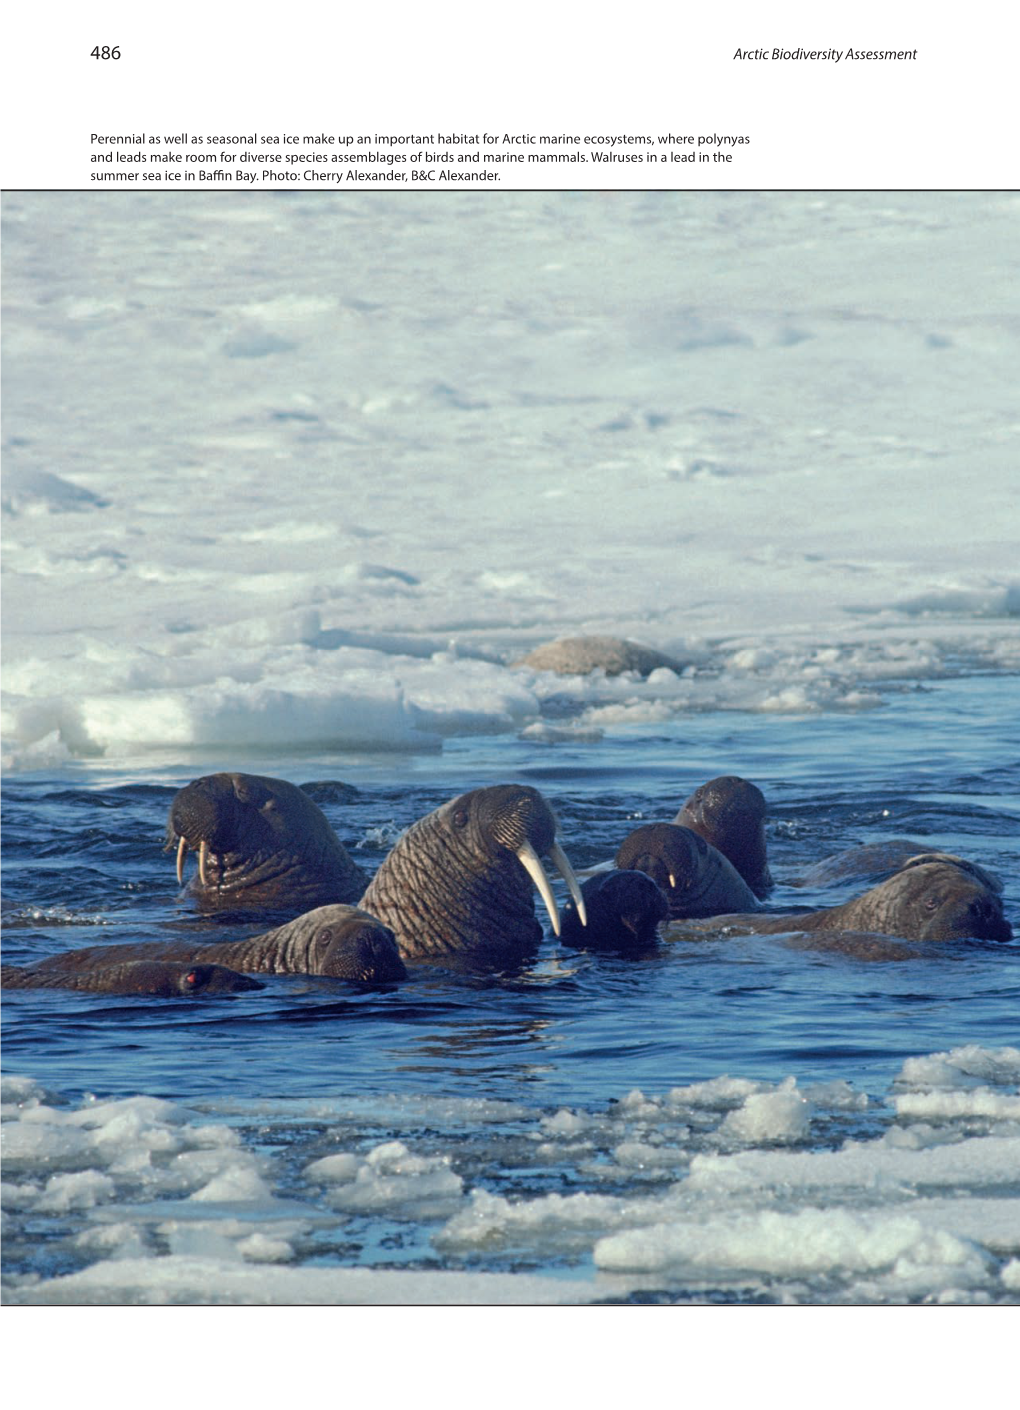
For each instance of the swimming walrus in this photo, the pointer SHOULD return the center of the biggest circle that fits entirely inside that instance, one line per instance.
(457, 886)
(876, 861)
(340, 942)
(580, 655)
(695, 876)
(624, 908)
(163, 979)
(261, 842)
(729, 813)
(931, 898)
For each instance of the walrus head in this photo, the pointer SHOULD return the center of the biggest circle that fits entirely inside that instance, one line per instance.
(929, 899)
(458, 882)
(259, 841)
(514, 820)
(625, 909)
(729, 812)
(213, 979)
(938, 900)
(670, 855)
(355, 947)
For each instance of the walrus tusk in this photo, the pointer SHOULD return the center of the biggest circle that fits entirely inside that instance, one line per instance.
(559, 859)
(528, 858)
(181, 853)
(672, 881)
(203, 851)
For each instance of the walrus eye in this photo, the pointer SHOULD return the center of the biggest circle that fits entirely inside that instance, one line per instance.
(324, 938)
(460, 818)
(931, 903)
(191, 978)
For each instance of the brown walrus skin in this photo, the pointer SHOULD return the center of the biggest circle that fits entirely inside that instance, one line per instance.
(877, 861)
(457, 886)
(160, 978)
(696, 878)
(580, 655)
(261, 842)
(931, 898)
(340, 942)
(729, 813)
(625, 910)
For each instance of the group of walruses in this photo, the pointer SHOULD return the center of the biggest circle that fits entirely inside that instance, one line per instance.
(458, 889)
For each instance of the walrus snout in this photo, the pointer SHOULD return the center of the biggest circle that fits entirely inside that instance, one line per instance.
(979, 917)
(203, 817)
(369, 953)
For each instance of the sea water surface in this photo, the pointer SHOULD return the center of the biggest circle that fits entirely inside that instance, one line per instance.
(290, 485)
(730, 1120)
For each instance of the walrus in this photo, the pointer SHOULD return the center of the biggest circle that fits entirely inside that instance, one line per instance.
(695, 876)
(876, 861)
(729, 813)
(162, 978)
(457, 886)
(624, 909)
(580, 655)
(931, 898)
(261, 842)
(340, 942)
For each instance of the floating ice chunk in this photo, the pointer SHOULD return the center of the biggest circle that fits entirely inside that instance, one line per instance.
(82, 1190)
(185, 1280)
(260, 1248)
(565, 1123)
(977, 1163)
(717, 1094)
(769, 1118)
(120, 1240)
(949, 1105)
(491, 1220)
(391, 1178)
(635, 1106)
(810, 1241)
(640, 1155)
(16, 1091)
(961, 1067)
(238, 1183)
(344, 1166)
(27, 1145)
(837, 1095)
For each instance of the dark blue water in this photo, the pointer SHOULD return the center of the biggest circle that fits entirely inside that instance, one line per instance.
(310, 1066)
(83, 864)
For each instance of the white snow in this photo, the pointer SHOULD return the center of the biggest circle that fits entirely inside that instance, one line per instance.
(298, 471)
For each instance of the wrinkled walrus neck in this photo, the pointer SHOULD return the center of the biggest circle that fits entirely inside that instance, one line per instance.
(458, 885)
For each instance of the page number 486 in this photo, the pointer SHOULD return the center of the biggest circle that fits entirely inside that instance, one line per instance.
(106, 51)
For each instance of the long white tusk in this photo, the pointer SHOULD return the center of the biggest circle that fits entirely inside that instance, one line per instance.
(559, 860)
(528, 858)
(672, 881)
(203, 850)
(181, 854)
